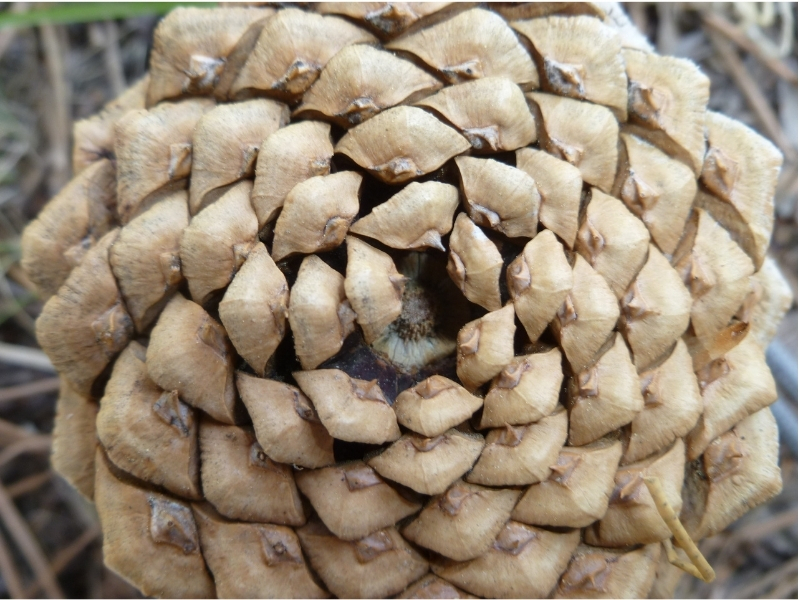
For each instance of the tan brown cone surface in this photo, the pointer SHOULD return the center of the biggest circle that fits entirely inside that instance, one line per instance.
(410, 300)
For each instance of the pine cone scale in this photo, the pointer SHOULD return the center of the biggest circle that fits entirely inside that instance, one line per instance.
(391, 289)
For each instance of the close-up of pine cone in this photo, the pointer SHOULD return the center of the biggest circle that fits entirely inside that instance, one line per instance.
(417, 300)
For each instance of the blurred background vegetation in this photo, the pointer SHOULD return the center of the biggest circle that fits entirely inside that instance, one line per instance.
(61, 62)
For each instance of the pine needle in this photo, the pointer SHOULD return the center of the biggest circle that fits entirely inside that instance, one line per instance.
(700, 566)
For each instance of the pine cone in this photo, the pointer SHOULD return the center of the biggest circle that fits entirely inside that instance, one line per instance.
(410, 299)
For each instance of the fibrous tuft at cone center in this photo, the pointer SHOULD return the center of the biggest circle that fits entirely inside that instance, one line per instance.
(410, 300)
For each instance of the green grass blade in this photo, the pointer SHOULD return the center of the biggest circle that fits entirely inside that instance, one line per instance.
(84, 12)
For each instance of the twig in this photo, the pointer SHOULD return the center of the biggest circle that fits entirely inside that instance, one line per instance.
(22, 356)
(67, 554)
(29, 483)
(721, 25)
(34, 444)
(9, 571)
(24, 390)
(752, 94)
(28, 545)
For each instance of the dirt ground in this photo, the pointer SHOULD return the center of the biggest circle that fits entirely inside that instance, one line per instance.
(53, 75)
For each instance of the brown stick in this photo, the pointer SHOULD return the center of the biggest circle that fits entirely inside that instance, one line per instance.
(753, 95)
(29, 389)
(26, 541)
(721, 25)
